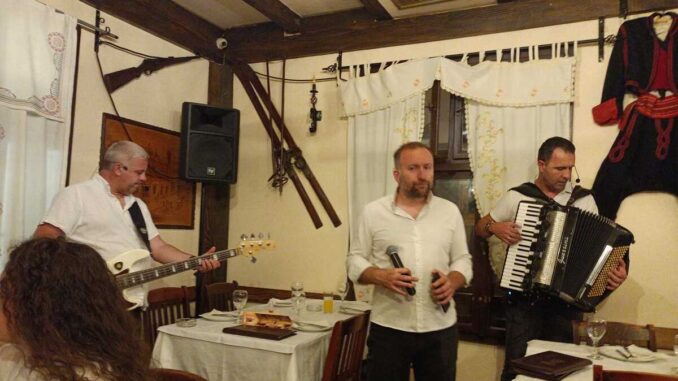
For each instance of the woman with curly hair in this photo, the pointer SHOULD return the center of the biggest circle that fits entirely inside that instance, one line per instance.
(64, 317)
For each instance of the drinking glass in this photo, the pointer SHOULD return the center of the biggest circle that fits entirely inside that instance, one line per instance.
(297, 288)
(342, 290)
(596, 328)
(239, 300)
(298, 295)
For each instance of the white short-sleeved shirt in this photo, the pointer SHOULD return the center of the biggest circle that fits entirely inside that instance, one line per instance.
(436, 239)
(506, 207)
(90, 214)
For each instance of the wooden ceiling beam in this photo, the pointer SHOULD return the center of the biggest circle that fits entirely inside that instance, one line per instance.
(169, 21)
(376, 9)
(279, 13)
(357, 29)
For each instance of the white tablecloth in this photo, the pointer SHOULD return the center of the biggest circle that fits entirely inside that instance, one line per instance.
(206, 351)
(663, 364)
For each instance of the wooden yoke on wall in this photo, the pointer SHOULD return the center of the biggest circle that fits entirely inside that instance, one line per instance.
(292, 155)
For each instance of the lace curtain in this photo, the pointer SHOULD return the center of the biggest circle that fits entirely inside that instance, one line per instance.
(36, 89)
(511, 108)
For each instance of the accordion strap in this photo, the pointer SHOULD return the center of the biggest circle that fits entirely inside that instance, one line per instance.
(532, 190)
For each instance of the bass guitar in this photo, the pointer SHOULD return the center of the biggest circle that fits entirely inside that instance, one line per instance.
(121, 265)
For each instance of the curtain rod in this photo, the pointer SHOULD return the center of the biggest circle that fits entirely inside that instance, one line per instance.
(103, 32)
(600, 41)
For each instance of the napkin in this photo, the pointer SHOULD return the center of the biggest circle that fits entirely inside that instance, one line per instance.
(313, 323)
(639, 351)
(618, 352)
(216, 312)
(281, 302)
(355, 306)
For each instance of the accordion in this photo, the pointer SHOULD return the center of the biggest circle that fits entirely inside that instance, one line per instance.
(564, 252)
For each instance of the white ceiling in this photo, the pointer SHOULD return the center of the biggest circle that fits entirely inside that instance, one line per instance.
(233, 13)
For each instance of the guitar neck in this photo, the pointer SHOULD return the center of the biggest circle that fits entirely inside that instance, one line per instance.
(140, 277)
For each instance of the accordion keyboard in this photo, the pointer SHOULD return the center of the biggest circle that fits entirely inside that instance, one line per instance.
(519, 256)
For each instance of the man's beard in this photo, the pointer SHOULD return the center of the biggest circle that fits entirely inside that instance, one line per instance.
(414, 192)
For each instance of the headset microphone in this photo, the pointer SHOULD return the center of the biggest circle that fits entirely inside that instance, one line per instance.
(577, 172)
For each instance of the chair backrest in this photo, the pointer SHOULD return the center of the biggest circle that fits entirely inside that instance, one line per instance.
(219, 296)
(623, 375)
(165, 306)
(665, 337)
(345, 354)
(162, 374)
(618, 334)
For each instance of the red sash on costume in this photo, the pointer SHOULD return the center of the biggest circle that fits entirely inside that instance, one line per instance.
(654, 108)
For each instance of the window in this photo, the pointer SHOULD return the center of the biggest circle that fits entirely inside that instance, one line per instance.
(479, 306)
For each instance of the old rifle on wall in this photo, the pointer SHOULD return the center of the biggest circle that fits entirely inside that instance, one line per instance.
(120, 78)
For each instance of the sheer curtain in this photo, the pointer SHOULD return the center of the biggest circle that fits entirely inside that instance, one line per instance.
(37, 72)
(511, 108)
(384, 110)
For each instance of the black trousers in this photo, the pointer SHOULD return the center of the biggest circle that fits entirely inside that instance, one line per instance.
(433, 355)
(546, 319)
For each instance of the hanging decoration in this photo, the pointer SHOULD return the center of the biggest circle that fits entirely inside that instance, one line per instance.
(315, 115)
(644, 156)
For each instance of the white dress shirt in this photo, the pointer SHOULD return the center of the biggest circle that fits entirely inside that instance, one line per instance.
(436, 239)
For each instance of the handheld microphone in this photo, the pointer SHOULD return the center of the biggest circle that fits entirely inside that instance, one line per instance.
(577, 172)
(392, 252)
(445, 306)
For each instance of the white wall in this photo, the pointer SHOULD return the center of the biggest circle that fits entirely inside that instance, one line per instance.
(317, 256)
(154, 99)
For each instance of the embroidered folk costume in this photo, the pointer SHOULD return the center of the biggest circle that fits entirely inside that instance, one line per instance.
(644, 156)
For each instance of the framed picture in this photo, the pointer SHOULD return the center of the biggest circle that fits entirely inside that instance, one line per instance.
(170, 199)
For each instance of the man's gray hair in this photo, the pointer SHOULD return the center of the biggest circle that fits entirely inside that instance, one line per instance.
(122, 152)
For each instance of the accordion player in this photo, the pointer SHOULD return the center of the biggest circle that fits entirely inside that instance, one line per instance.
(564, 252)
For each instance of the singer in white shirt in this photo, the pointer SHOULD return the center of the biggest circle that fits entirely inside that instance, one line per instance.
(430, 237)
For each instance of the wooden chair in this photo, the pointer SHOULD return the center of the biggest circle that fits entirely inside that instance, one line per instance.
(165, 306)
(345, 353)
(618, 334)
(665, 337)
(623, 375)
(219, 296)
(161, 374)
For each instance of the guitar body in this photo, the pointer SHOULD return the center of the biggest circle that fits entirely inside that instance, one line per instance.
(125, 260)
(123, 264)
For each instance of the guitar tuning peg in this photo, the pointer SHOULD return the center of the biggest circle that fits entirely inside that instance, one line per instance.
(243, 237)
(252, 236)
(253, 259)
(261, 235)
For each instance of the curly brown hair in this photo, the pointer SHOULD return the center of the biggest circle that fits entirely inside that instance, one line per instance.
(65, 312)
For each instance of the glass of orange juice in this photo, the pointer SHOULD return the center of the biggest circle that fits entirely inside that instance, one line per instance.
(328, 303)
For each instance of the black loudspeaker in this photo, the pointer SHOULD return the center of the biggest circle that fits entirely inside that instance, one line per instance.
(209, 143)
